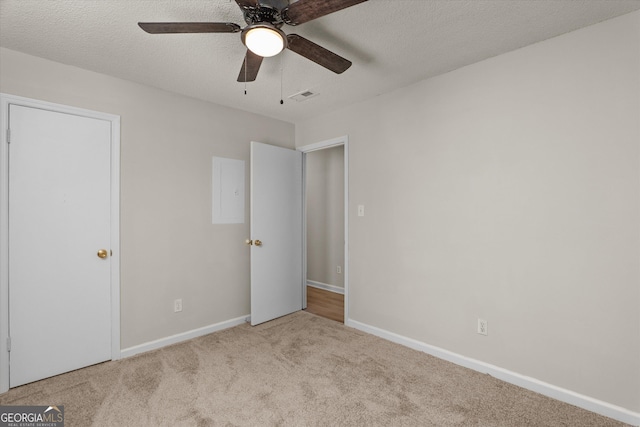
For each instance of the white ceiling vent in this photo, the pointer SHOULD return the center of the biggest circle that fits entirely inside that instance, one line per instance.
(304, 95)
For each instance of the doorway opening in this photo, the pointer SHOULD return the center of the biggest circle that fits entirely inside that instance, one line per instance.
(326, 229)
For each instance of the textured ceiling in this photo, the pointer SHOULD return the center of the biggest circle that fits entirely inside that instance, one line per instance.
(392, 43)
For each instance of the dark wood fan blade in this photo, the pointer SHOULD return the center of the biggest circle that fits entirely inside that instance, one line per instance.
(317, 54)
(247, 4)
(306, 10)
(250, 67)
(189, 27)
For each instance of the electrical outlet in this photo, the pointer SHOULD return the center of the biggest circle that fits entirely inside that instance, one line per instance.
(339, 270)
(177, 305)
(483, 327)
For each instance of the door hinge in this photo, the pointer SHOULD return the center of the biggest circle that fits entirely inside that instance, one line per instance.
(9, 344)
(8, 136)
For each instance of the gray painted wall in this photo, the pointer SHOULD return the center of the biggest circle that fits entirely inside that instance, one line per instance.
(169, 247)
(507, 190)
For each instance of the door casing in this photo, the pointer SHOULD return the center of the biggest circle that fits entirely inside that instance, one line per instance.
(5, 101)
(335, 142)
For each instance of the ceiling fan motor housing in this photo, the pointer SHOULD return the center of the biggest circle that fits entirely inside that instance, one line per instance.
(263, 14)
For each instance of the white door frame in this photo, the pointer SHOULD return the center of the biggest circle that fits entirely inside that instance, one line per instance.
(5, 101)
(335, 142)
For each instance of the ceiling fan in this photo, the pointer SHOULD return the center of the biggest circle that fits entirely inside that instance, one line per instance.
(263, 35)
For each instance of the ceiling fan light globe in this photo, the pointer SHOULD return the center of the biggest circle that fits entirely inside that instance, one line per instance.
(264, 41)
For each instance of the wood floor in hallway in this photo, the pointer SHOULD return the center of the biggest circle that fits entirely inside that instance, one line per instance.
(325, 303)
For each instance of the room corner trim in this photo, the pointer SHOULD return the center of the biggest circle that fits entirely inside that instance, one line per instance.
(184, 336)
(585, 402)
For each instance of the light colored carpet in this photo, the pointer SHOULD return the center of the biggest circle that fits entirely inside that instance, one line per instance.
(299, 370)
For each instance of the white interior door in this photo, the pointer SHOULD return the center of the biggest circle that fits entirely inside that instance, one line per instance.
(276, 222)
(59, 218)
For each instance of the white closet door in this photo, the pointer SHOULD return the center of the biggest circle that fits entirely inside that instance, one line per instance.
(59, 220)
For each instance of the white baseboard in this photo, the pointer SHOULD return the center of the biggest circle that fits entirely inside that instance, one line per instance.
(174, 339)
(325, 286)
(550, 390)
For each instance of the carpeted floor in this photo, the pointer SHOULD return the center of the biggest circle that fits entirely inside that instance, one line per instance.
(299, 370)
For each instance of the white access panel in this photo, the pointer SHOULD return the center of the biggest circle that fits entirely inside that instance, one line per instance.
(228, 191)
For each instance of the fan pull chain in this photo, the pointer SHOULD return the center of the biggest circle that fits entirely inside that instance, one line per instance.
(281, 78)
(245, 72)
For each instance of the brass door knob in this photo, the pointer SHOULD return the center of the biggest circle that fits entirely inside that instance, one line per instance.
(249, 242)
(257, 242)
(102, 253)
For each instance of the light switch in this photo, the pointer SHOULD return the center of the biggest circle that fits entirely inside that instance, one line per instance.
(360, 210)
